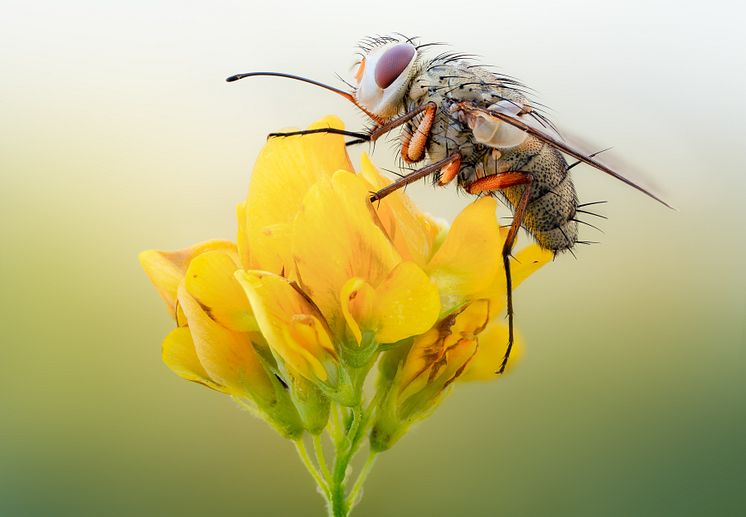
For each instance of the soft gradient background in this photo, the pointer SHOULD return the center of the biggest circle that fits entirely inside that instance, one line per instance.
(118, 133)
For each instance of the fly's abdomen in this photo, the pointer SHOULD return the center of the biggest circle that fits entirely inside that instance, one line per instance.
(552, 203)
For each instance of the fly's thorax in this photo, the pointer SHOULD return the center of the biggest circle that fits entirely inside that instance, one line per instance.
(447, 84)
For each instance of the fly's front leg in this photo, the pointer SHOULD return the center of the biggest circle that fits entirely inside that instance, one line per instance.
(359, 138)
(499, 182)
(413, 144)
(373, 135)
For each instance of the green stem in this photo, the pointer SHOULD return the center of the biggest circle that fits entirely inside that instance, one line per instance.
(338, 505)
(318, 448)
(300, 446)
(354, 496)
(335, 428)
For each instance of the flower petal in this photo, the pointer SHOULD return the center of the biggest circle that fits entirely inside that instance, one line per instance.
(412, 232)
(291, 325)
(180, 356)
(286, 168)
(210, 280)
(470, 256)
(228, 357)
(166, 269)
(434, 353)
(335, 238)
(357, 299)
(492, 345)
(527, 261)
(407, 304)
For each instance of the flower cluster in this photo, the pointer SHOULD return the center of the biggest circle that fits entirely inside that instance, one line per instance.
(322, 286)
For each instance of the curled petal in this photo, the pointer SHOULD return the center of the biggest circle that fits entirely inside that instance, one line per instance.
(210, 280)
(358, 300)
(166, 269)
(311, 340)
(292, 325)
(180, 356)
(228, 357)
(405, 304)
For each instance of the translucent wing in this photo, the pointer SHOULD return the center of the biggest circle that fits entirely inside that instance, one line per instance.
(545, 135)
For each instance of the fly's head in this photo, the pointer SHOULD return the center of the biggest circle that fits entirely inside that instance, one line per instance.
(383, 75)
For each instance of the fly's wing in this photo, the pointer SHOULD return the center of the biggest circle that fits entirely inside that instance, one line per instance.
(547, 135)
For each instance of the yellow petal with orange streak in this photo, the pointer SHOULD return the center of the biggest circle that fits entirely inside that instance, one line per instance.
(228, 357)
(166, 269)
(210, 280)
(433, 354)
(284, 171)
(493, 342)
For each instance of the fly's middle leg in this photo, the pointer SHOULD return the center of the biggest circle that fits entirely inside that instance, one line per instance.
(447, 165)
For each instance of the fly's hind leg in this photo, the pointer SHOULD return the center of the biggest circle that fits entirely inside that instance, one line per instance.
(499, 182)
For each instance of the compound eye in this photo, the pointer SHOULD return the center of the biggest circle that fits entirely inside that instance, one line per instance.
(392, 63)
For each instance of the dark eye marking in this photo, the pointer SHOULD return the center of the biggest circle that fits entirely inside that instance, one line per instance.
(392, 63)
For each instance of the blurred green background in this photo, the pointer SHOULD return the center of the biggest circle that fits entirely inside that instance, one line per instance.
(118, 134)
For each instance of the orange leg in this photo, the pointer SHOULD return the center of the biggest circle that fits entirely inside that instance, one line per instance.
(498, 182)
(450, 171)
(413, 144)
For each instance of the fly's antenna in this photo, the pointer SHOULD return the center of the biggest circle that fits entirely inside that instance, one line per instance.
(236, 77)
(344, 94)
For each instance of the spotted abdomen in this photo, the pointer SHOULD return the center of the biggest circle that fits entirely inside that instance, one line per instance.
(550, 213)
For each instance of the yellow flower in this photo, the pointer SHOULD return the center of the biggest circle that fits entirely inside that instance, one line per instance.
(321, 282)
(325, 280)
(215, 342)
(320, 285)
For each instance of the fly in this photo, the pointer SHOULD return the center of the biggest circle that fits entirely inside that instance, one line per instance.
(465, 123)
